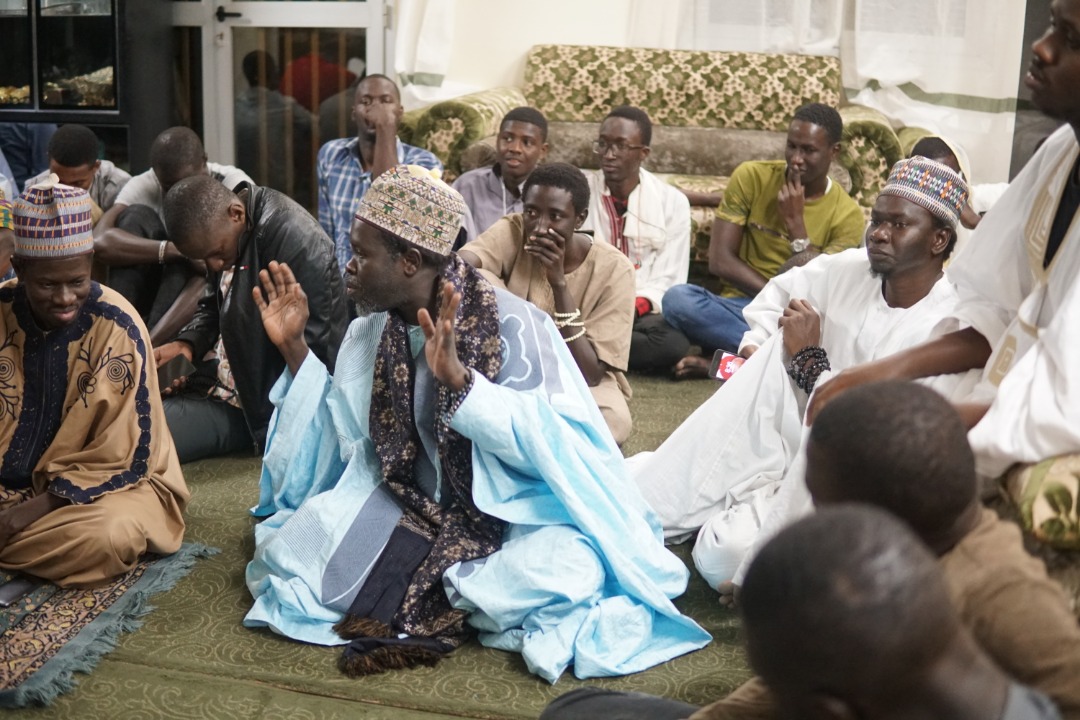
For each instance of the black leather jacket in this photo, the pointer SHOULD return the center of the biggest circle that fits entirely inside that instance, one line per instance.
(277, 229)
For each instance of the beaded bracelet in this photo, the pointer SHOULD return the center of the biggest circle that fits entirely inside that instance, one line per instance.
(455, 398)
(580, 333)
(566, 319)
(812, 374)
(806, 367)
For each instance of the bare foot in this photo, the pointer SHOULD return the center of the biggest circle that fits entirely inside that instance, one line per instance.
(729, 594)
(691, 367)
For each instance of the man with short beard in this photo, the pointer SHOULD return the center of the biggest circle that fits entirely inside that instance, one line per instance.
(454, 473)
(719, 472)
(1017, 280)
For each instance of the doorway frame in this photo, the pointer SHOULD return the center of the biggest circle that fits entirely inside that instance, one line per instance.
(218, 72)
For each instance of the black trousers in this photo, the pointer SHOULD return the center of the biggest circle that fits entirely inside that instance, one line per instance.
(152, 289)
(655, 346)
(204, 428)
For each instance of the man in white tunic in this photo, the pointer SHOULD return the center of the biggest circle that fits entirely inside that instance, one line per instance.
(454, 474)
(719, 473)
(1018, 292)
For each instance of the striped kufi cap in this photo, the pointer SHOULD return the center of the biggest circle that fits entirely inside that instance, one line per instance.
(53, 221)
(930, 185)
(415, 205)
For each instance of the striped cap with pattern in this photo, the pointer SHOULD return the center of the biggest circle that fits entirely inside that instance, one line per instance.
(930, 185)
(410, 202)
(53, 221)
(6, 221)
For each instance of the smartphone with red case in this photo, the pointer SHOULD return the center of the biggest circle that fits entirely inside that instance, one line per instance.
(724, 364)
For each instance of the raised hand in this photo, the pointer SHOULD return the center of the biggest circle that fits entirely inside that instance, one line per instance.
(284, 310)
(441, 346)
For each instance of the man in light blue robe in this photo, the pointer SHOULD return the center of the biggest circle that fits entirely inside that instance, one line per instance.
(576, 573)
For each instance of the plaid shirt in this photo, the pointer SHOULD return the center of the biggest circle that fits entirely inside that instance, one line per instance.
(342, 182)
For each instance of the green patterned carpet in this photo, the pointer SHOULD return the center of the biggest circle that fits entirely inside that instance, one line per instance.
(193, 659)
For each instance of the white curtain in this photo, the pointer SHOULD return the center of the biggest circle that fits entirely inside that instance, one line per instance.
(810, 27)
(666, 25)
(423, 39)
(949, 66)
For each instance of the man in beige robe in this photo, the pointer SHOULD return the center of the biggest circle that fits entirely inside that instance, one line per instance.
(89, 479)
(587, 287)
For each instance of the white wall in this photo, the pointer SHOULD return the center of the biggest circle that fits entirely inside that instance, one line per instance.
(492, 37)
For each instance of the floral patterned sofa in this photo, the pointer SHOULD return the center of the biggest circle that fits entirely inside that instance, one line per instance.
(710, 110)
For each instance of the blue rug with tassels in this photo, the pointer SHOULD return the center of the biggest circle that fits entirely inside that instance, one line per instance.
(54, 632)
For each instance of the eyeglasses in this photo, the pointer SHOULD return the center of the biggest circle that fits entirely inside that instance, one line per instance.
(368, 101)
(617, 148)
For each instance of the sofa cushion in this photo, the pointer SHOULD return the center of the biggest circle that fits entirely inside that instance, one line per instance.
(870, 149)
(682, 150)
(683, 88)
(449, 127)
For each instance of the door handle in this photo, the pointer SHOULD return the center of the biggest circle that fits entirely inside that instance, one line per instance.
(221, 14)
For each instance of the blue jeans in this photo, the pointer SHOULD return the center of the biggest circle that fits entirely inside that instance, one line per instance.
(706, 319)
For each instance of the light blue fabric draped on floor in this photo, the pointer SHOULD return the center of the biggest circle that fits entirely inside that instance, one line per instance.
(582, 578)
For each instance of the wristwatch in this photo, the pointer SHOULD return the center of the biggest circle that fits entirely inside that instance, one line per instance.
(799, 244)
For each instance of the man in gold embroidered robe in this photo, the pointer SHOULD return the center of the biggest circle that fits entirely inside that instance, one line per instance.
(89, 479)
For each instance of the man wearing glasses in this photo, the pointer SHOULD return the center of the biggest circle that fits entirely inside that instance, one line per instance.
(775, 215)
(649, 221)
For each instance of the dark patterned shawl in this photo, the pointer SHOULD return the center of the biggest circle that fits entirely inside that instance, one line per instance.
(404, 591)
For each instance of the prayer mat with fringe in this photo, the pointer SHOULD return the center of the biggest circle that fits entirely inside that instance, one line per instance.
(53, 632)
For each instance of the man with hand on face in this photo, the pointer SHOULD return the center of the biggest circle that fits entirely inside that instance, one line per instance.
(775, 215)
(649, 222)
(494, 192)
(236, 235)
(719, 473)
(73, 157)
(89, 480)
(586, 287)
(347, 167)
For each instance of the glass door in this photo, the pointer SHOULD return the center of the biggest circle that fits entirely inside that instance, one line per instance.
(277, 76)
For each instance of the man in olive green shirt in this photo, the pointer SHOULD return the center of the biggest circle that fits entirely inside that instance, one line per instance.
(775, 215)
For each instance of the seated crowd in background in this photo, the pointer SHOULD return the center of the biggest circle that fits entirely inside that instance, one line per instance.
(456, 446)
